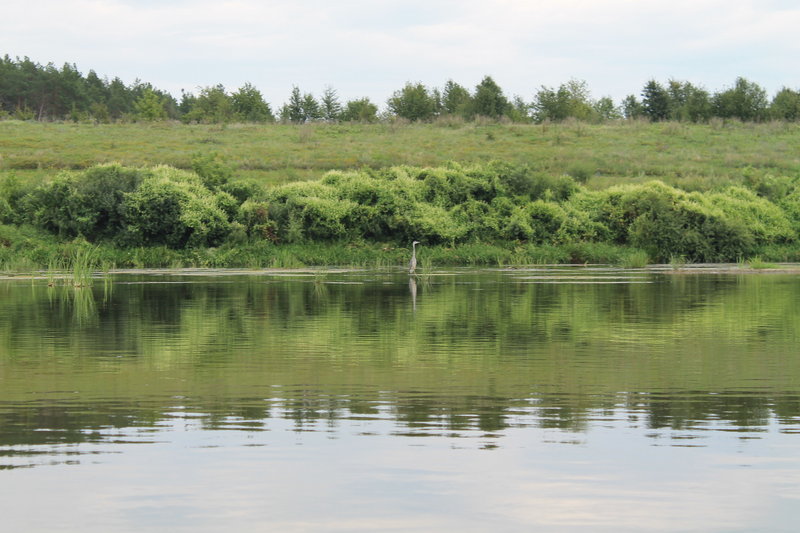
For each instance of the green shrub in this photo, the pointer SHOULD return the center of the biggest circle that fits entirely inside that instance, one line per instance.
(254, 218)
(242, 190)
(11, 193)
(87, 204)
(790, 205)
(430, 224)
(608, 209)
(546, 219)
(773, 188)
(579, 226)
(228, 204)
(581, 172)
(767, 222)
(479, 219)
(517, 226)
(172, 207)
(7, 214)
(323, 218)
(690, 231)
(212, 169)
(522, 181)
(665, 221)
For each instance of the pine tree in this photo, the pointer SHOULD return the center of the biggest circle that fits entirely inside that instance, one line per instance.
(331, 108)
(489, 100)
(655, 101)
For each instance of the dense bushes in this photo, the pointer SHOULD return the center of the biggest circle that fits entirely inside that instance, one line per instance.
(90, 204)
(131, 207)
(437, 205)
(668, 222)
(173, 207)
(497, 202)
(450, 205)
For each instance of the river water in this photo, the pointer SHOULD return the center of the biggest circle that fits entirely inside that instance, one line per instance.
(539, 399)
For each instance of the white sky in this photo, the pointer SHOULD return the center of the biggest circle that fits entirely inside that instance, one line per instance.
(371, 48)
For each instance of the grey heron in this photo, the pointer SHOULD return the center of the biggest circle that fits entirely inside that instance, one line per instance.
(412, 265)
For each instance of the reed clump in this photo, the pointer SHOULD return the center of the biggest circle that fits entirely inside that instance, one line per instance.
(757, 263)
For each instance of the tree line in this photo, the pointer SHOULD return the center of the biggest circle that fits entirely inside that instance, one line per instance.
(31, 91)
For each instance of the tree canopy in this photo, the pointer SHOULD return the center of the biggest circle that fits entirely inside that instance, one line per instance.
(31, 91)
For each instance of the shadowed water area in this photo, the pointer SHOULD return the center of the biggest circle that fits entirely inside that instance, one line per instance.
(557, 398)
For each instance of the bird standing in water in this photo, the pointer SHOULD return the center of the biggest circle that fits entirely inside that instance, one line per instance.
(412, 265)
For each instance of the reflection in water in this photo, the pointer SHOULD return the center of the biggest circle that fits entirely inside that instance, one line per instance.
(412, 288)
(485, 352)
(543, 360)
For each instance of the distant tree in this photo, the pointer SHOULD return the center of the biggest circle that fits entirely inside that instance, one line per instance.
(150, 106)
(438, 101)
(688, 102)
(456, 99)
(212, 105)
(10, 83)
(170, 104)
(785, 105)
(489, 100)
(331, 109)
(547, 105)
(655, 101)
(519, 110)
(631, 107)
(186, 104)
(293, 111)
(120, 99)
(572, 99)
(45, 92)
(697, 103)
(412, 102)
(31, 91)
(361, 110)
(311, 108)
(71, 98)
(283, 114)
(96, 89)
(605, 109)
(249, 105)
(676, 96)
(99, 112)
(745, 100)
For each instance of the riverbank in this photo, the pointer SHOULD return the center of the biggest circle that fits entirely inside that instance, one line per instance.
(622, 193)
(24, 251)
(29, 250)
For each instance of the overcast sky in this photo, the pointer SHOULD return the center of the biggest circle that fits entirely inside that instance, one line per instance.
(372, 48)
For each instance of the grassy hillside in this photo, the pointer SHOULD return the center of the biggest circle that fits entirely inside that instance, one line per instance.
(694, 157)
(554, 193)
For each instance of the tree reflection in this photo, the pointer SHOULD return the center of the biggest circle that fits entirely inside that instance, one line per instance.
(479, 353)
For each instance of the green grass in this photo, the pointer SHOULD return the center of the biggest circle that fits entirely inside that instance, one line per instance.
(83, 267)
(692, 156)
(634, 259)
(757, 263)
(76, 264)
(677, 262)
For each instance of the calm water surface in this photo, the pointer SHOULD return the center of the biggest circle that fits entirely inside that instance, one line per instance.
(549, 399)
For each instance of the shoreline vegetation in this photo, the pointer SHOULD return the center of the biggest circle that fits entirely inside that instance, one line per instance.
(169, 195)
